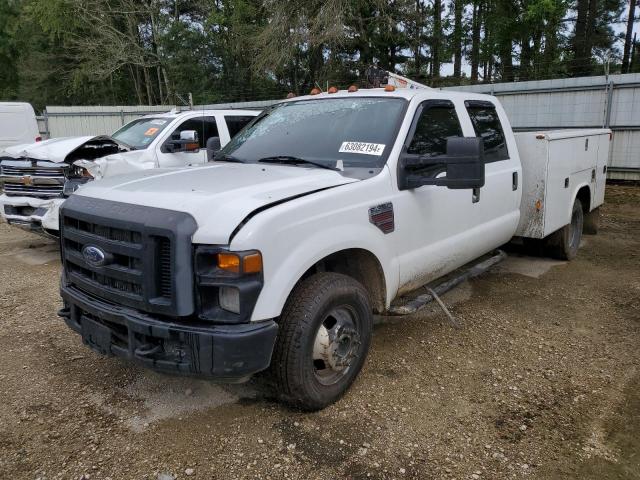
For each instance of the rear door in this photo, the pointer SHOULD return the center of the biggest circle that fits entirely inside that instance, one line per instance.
(499, 211)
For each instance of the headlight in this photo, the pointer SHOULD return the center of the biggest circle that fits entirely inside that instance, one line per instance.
(227, 283)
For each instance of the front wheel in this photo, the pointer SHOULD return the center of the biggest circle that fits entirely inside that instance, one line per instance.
(564, 243)
(323, 340)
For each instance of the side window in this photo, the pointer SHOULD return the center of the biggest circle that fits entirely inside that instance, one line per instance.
(435, 125)
(487, 125)
(205, 126)
(236, 123)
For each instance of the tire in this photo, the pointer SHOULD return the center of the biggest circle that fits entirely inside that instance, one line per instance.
(564, 243)
(307, 370)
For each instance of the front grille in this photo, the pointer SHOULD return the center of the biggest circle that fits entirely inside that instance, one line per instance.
(51, 172)
(32, 181)
(136, 254)
(123, 276)
(33, 190)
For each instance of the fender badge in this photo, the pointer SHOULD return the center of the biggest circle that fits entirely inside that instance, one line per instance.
(382, 217)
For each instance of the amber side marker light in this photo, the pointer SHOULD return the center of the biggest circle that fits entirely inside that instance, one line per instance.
(252, 263)
(352, 89)
(389, 88)
(314, 91)
(332, 90)
(538, 205)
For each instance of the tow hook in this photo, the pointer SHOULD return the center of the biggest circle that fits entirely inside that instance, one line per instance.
(147, 350)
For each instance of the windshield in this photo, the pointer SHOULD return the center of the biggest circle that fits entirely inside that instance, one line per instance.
(360, 131)
(140, 133)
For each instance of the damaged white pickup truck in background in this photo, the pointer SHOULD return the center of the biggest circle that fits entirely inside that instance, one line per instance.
(36, 178)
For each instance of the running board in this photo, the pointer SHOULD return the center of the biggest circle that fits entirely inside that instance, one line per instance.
(421, 301)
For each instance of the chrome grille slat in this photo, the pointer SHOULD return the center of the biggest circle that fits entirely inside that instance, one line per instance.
(33, 190)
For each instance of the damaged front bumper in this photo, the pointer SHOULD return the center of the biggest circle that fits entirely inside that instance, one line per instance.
(227, 353)
(34, 214)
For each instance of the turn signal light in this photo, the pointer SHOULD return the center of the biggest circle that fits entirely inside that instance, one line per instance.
(229, 262)
(235, 263)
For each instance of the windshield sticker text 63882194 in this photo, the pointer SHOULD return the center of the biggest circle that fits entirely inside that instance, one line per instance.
(362, 147)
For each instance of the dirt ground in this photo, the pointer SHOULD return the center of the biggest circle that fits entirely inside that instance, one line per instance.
(543, 382)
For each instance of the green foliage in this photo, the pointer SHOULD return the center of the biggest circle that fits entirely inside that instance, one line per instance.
(158, 51)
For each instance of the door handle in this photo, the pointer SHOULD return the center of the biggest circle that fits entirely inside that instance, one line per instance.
(475, 195)
(514, 181)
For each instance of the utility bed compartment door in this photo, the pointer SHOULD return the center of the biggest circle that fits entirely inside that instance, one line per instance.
(555, 165)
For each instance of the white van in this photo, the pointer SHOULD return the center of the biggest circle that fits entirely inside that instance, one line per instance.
(18, 124)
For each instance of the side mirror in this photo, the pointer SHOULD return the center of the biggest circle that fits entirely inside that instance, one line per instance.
(186, 142)
(463, 166)
(213, 147)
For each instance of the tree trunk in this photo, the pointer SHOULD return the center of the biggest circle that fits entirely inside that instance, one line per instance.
(634, 52)
(627, 41)
(437, 38)
(525, 60)
(457, 38)
(147, 82)
(579, 38)
(476, 22)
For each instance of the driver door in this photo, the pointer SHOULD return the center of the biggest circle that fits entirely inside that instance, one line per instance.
(205, 126)
(436, 225)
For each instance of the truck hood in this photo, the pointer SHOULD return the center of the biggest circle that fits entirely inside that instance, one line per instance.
(55, 149)
(218, 196)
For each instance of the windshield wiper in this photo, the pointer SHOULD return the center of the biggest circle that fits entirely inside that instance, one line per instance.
(288, 159)
(227, 158)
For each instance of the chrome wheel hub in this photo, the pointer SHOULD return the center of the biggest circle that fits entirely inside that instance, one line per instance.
(336, 345)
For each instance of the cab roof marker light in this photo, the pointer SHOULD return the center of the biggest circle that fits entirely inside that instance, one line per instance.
(352, 88)
(315, 91)
(332, 90)
(291, 95)
(389, 88)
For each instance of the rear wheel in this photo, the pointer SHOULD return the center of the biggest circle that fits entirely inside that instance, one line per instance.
(564, 243)
(323, 340)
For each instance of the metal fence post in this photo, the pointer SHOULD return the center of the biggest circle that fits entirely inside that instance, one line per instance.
(607, 116)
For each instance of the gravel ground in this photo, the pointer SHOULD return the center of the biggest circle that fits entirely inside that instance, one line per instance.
(542, 382)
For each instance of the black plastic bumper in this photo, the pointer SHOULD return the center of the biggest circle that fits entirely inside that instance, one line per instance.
(230, 353)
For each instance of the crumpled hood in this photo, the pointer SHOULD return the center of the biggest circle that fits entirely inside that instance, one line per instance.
(218, 196)
(54, 149)
(118, 163)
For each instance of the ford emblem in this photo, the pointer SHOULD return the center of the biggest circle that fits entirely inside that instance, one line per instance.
(94, 256)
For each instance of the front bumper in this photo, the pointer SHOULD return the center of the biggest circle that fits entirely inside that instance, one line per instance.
(230, 353)
(31, 213)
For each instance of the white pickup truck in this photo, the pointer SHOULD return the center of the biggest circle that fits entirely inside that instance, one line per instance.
(316, 216)
(36, 178)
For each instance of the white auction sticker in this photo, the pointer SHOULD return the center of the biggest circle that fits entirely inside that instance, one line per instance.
(362, 147)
